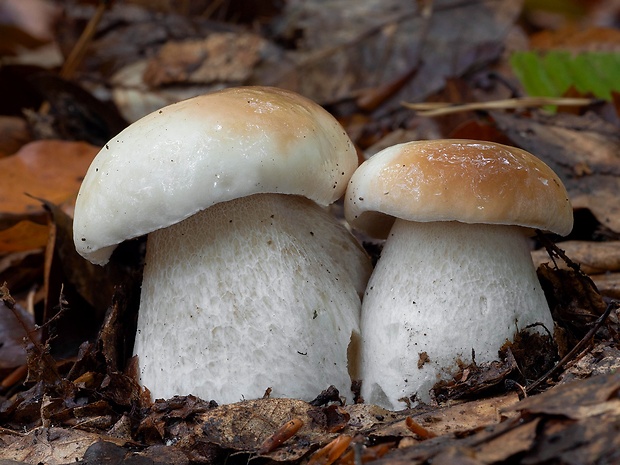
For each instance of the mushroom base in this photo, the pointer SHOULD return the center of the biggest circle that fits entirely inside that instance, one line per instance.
(440, 291)
(255, 293)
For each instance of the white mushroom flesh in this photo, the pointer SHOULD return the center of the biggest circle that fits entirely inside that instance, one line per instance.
(254, 293)
(440, 291)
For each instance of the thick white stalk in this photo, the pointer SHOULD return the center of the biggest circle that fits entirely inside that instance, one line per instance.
(262, 291)
(440, 291)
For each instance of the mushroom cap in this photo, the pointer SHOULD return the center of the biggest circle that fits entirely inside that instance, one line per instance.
(196, 153)
(456, 180)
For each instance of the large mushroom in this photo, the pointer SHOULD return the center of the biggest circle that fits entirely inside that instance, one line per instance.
(249, 282)
(455, 275)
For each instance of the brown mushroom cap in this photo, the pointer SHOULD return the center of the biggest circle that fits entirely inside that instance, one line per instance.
(457, 180)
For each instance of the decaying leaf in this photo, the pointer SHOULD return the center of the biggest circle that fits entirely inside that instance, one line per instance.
(577, 400)
(592, 257)
(221, 57)
(51, 170)
(540, 432)
(602, 359)
(12, 334)
(354, 54)
(22, 236)
(473, 379)
(13, 134)
(385, 39)
(573, 298)
(245, 426)
(583, 150)
(75, 113)
(51, 446)
(608, 284)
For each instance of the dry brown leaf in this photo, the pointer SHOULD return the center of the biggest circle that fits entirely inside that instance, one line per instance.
(454, 419)
(514, 441)
(593, 257)
(608, 284)
(52, 446)
(50, 170)
(577, 40)
(576, 400)
(36, 17)
(574, 423)
(23, 236)
(245, 426)
(593, 440)
(221, 57)
(345, 46)
(336, 50)
(603, 359)
(20, 270)
(13, 134)
(583, 150)
(12, 333)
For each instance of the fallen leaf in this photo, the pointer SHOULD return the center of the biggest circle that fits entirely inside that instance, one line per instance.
(573, 299)
(245, 426)
(567, 143)
(574, 39)
(13, 134)
(608, 284)
(593, 257)
(512, 442)
(573, 424)
(593, 440)
(36, 17)
(25, 235)
(20, 270)
(450, 420)
(52, 446)
(50, 170)
(576, 400)
(345, 46)
(603, 359)
(12, 333)
(75, 113)
(220, 57)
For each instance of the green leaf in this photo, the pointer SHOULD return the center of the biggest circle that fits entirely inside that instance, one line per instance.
(556, 66)
(530, 70)
(553, 73)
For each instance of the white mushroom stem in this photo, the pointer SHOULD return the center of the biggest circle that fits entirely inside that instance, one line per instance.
(263, 291)
(439, 291)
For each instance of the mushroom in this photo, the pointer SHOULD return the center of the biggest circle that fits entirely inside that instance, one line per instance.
(249, 283)
(455, 277)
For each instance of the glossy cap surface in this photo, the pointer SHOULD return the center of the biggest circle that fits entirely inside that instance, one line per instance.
(456, 180)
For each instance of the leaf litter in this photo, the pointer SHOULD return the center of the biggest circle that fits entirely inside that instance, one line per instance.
(80, 402)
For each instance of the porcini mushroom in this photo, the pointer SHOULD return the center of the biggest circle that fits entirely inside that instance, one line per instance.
(249, 283)
(455, 275)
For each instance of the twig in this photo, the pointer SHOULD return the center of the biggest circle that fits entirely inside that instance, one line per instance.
(77, 53)
(442, 108)
(9, 301)
(81, 46)
(286, 431)
(331, 452)
(552, 249)
(418, 429)
(44, 357)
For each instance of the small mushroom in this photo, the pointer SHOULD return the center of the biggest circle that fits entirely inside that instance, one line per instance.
(455, 275)
(249, 282)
